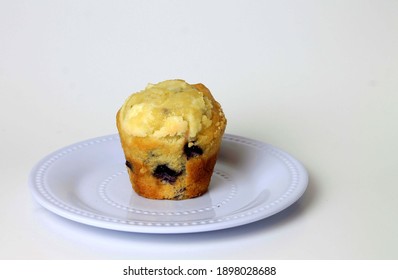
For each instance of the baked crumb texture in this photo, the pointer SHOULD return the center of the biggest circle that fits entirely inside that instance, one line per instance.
(171, 134)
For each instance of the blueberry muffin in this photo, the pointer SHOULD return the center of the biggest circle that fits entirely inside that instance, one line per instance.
(171, 133)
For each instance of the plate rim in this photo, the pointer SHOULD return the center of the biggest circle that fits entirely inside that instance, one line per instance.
(300, 189)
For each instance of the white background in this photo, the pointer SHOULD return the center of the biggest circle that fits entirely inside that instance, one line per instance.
(318, 79)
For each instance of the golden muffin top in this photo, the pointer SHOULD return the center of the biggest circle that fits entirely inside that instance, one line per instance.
(166, 109)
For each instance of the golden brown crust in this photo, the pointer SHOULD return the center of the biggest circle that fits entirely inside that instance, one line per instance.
(144, 154)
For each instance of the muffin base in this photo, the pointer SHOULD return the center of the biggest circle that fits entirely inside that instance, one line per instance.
(192, 183)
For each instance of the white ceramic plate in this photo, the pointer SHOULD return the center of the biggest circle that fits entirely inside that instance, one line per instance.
(87, 182)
